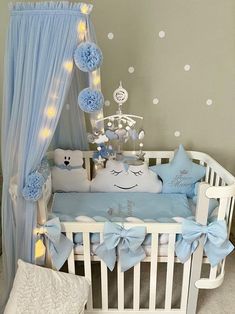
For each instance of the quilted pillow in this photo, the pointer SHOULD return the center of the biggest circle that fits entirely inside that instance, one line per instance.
(68, 175)
(41, 290)
(180, 175)
(121, 177)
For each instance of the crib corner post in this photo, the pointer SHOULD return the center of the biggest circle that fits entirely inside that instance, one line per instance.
(197, 258)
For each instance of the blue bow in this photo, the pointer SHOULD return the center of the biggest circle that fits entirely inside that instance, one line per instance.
(128, 242)
(68, 167)
(216, 244)
(60, 246)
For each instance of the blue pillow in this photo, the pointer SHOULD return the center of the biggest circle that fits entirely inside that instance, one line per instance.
(180, 175)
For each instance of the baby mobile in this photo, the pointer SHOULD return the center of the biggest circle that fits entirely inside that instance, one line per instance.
(111, 131)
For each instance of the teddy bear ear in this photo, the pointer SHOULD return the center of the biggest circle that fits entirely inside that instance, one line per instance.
(58, 155)
(58, 152)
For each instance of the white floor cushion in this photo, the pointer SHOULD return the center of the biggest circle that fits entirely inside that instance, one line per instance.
(42, 290)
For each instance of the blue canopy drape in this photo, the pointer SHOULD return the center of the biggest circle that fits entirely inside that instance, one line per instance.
(38, 74)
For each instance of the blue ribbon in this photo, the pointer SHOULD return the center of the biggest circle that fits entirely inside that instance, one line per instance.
(216, 244)
(68, 167)
(60, 246)
(126, 242)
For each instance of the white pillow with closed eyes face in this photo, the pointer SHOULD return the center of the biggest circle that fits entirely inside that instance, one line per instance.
(121, 177)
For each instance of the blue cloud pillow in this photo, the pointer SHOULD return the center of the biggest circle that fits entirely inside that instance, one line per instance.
(180, 175)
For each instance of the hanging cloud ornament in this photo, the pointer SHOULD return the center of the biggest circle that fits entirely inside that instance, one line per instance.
(88, 57)
(90, 100)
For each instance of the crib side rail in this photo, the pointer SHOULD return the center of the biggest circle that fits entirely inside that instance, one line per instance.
(172, 229)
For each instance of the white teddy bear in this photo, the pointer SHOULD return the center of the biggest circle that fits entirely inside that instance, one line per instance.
(68, 175)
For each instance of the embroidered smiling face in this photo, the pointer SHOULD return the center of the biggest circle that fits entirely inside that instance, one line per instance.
(121, 177)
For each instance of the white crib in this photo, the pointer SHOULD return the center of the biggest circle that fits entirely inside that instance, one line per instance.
(219, 184)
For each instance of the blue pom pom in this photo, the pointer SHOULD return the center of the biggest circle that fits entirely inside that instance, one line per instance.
(90, 100)
(33, 187)
(88, 57)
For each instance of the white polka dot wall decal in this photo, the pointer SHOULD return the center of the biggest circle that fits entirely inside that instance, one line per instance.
(155, 101)
(110, 36)
(67, 106)
(161, 34)
(177, 133)
(187, 67)
(107, 103)
(209, 102)
(131, 69)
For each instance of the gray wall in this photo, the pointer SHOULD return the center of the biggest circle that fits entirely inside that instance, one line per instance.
(199, 33)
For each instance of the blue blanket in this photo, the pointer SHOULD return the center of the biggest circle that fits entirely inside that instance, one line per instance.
(113, 206)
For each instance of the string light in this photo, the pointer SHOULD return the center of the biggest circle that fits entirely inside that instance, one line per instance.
(54, 96)
(100, 116)
(84, 8)
(96, 80)
(120, 126)
(51, 112)
(39, 249)
(68, 66)
(141, 144)
(81, 29)
(45, 133)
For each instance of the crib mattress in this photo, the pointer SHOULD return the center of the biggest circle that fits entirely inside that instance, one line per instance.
(116, 206)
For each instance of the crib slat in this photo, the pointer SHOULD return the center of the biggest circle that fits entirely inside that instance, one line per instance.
(120, 283)
(104, 281)
(87, 264)
(217, 179)
(212, 177)
(153, 272)
(170, 271)
(207, 174)
(159, 161)
(71, 262)
(213, 272)
(230, 215)
(136, 292)
(185, 285)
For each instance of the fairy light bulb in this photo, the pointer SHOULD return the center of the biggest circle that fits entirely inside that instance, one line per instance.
(84, 8)
(81, 29)
(141, 145)
(99, 148)
(109, 123)
(45, 133)
(68, 66)
(51, 112)
(128, 128)
(120, 126)
(96, 80)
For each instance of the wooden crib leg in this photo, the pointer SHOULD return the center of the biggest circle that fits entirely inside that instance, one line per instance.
(201, 217)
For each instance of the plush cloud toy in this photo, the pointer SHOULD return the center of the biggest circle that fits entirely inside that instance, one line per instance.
(121, 177)
(68, 175)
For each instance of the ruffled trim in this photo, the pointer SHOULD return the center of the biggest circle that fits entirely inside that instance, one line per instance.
(51, 5)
